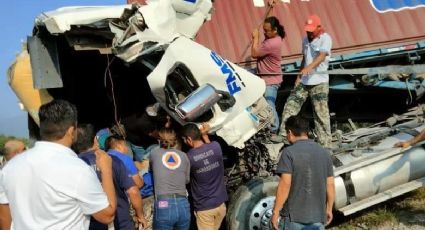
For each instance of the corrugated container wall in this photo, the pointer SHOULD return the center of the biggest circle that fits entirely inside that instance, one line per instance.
(354, 25)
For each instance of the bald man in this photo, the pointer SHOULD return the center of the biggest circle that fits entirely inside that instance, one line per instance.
(13, 147)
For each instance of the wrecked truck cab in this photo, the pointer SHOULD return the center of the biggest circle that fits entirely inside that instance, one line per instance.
(236, 107)
(110, 49)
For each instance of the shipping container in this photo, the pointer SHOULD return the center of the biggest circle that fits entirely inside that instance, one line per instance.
(354, 25)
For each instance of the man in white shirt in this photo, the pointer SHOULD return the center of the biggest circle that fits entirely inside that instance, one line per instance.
(316, 48)
(49, 187)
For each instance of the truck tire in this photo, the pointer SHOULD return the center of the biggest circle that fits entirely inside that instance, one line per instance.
(251, 205)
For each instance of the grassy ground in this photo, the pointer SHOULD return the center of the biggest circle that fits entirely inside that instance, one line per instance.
(404, 212)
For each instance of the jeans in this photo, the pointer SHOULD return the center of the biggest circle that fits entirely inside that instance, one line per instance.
(271, 95)
(286, 224)
(171, 214)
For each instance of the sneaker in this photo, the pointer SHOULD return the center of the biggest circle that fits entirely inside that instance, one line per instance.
(276, 138)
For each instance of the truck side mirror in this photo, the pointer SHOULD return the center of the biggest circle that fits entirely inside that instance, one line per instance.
(197, 103)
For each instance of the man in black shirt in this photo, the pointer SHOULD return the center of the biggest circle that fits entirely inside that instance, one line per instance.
(306, 190)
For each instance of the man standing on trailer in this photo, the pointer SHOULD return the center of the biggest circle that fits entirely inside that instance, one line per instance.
(268, 54)
(316, 48)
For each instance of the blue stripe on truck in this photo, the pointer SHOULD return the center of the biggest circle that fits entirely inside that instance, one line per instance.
(396, 5)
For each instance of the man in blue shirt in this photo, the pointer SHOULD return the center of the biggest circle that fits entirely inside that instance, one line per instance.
(117, 146)
(206, 177)
(124, 186)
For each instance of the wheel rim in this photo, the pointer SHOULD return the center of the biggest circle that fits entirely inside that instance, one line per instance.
(261, 214)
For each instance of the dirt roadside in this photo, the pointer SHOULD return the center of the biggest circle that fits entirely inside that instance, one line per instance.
(406, 212)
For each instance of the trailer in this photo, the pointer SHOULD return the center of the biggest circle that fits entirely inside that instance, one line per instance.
(113, 62)
(365, 33)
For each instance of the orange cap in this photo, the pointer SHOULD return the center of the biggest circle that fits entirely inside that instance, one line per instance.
(312, 23)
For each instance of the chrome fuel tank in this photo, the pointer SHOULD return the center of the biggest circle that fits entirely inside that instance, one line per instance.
(378, 172)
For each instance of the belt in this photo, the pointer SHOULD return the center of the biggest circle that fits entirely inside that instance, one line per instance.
(172, 195)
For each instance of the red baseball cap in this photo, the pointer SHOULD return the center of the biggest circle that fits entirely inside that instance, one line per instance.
(312, 23)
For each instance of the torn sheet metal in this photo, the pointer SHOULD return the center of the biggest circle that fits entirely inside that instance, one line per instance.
(60, 20)
(82, 43)
(178, 18)
(44, 63)
(244, 118)
(183, 18)
(135, 27)
(207, 67)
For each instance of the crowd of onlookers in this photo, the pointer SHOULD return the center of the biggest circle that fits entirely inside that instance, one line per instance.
(77, 178)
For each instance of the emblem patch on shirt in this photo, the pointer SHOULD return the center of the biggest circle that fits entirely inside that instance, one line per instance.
(163, 204)
(171, 160)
